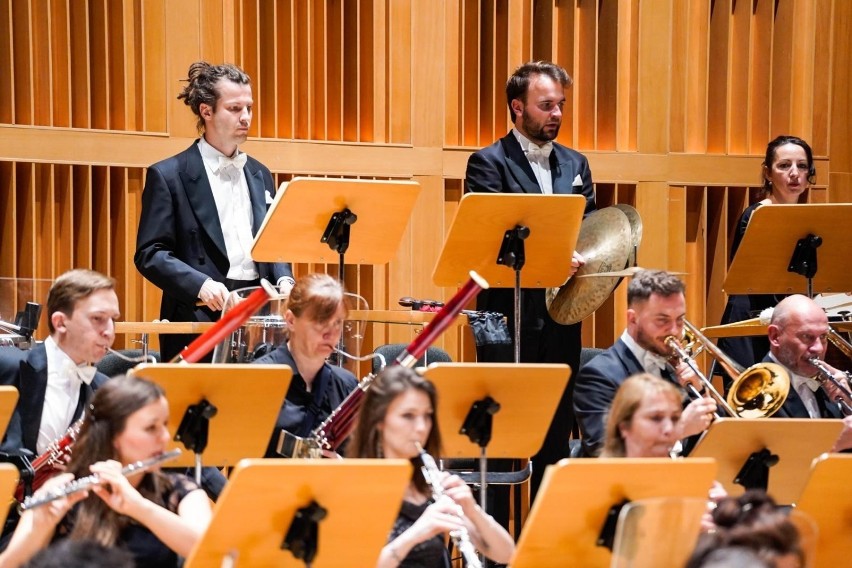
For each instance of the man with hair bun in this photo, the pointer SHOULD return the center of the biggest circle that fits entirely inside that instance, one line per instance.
(202, 208)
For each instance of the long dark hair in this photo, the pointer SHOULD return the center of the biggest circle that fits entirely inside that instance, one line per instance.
(773, 146)
(387, 386)
(106, 418)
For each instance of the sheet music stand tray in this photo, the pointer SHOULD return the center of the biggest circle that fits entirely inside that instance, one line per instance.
(245, 417)
(765, 253)
(301, 212)
(830, 505)
(8, 483)
(8, 401)
(252, 516)
(796, 442)
(483, 223)
(576, 496)
(527, 396)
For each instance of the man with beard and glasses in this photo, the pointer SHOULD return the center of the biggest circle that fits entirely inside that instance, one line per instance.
(527, 160)
(656, 308)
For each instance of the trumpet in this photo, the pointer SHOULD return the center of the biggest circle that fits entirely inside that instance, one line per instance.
(825, 376)
(85, 483)
(757, 392)
(461, 538)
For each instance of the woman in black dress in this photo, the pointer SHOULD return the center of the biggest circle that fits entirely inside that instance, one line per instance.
(156, 516)
(397, 416)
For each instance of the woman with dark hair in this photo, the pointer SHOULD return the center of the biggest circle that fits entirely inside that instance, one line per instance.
(157, 516)
(398, 416)
(755, 522)
(788, 171)
(315, 314)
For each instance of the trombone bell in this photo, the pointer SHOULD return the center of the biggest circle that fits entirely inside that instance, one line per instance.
(759, 391)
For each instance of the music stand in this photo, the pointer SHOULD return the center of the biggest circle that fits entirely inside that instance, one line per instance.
(314, 220)
(251, 518)
(773, 243)
(827, 501)
(526, 397)
(536, 233)
(245, 400)
(795, 442)
(8, 483)
(577, 496)
(8, 401)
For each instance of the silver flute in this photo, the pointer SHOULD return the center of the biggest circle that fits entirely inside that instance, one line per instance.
(84, 483)
(461, 539)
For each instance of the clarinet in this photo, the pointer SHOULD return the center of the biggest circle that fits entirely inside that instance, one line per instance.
(460, 537)
(84, 483)
(340, 423)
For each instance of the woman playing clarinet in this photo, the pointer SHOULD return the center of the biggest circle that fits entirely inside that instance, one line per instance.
(157, 517)
(397, 419)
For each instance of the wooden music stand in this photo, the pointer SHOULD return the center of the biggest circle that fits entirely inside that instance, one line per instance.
(576, 496)
(8, 401)
(826, 500)
(485, 237)
(9, 477)
(760, 265)
(252, 516)
(300, 214)
(247, 399)
(796, 442)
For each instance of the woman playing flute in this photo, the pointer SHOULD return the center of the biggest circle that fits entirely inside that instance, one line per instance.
(157, 516)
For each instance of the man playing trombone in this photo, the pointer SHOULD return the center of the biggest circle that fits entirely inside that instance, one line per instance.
(656, 308)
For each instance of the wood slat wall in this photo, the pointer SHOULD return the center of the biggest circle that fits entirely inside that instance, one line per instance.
(673, 103)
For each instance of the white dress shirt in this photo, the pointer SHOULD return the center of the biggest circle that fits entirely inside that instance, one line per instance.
(230, 191)
(805, 387)
(539, 158)
(64, 379)
(651, 362)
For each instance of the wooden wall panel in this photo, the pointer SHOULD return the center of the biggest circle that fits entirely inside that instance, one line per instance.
(673, 103)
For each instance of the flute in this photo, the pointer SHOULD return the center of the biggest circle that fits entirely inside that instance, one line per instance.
(84, 483)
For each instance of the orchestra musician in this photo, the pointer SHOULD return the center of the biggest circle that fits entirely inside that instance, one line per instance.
(202, 208)
(315, 314)
(656, 308)
(787, 172)
(527, 160)
(797, 333)
(57, 378)
(157, 516)
(398, 414)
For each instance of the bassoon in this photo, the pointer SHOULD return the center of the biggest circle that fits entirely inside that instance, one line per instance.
(334, 430)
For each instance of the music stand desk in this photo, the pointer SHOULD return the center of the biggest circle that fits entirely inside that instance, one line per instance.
(576, 495)
(8, 401)
(9, 477)
(760, 265)
(796, 441)
(477, 232)
(253, 514)
(828, 502)
(296, 220)
(248, 399)
(527, 393)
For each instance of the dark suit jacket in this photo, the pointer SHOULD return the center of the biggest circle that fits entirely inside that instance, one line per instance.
(27, 371)
(594, 389)
(793, 407)
(180, 242)
(503, 168)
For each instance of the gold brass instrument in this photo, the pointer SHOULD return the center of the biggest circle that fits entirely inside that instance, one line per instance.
(683, 353)
(757, 392)
(840, 342)
(825, 376)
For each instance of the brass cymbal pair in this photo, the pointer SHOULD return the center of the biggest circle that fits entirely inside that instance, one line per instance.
(608, 240)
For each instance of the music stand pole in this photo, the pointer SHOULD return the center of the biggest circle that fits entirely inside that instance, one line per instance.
(512, 254)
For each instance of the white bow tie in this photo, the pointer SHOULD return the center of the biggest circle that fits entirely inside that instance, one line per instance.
(535, 152)
(83, 373)
(813, 384)
(653, 361)
(232, 166)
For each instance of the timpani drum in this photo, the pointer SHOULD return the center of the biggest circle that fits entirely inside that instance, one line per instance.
(259, 335)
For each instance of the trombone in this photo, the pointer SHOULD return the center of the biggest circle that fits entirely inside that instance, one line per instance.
(757, 392)
(825, 376)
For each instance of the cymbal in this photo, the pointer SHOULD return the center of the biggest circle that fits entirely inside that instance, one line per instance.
(626, 273)
(605, 242)
(635, 230)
